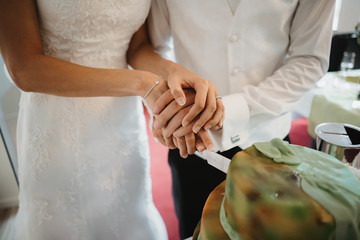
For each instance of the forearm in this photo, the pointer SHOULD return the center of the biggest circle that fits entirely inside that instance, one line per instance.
(40, 73)
(31, 70)
(145, 58)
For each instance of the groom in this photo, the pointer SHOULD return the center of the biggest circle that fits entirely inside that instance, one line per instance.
(261, 56)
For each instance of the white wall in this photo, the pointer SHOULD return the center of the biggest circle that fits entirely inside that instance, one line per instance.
(9, 101)
(349, 15)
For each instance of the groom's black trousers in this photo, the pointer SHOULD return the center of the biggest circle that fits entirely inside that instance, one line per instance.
(193, 179)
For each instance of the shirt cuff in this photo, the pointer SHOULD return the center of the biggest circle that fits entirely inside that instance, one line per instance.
(235, 128)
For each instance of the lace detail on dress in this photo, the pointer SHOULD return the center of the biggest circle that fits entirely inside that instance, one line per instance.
(39, 98)
(41, 157)
(69, 202)
(40, 209)
(71, 123)
(105, 22)
(78, 228)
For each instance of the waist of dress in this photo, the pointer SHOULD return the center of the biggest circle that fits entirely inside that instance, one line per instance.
(105, 60)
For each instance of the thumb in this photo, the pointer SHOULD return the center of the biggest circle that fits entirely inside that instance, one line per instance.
(177, 92)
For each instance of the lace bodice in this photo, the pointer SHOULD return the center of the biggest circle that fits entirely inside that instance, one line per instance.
(90, 32)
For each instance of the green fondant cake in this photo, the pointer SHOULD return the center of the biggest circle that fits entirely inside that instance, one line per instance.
(279, 191)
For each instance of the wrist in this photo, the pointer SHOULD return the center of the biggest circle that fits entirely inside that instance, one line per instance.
(145, 81)
(169, 67)
(152, 87)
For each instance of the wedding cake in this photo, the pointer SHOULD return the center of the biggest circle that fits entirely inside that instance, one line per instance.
(278, 191)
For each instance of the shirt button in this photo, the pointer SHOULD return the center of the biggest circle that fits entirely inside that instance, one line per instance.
(234, 38)
(235, 71)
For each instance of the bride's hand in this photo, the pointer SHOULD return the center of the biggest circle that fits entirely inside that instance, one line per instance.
(158, 135)
(154, 90)
(180, 78)
(170, 118)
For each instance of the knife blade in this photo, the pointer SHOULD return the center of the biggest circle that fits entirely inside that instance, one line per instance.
(216, 160)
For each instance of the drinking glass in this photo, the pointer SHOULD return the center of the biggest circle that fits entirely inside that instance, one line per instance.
(347, 62)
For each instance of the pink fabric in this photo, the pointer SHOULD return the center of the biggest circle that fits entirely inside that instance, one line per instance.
(298, 132)
(161, 184)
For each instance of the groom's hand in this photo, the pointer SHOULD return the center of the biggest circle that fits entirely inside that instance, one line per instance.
(171, 117)
(205, 103)
(188, 144)
(166, 107)
(159, 136)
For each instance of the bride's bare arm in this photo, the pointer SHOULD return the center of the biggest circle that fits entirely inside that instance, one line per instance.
(31, 70)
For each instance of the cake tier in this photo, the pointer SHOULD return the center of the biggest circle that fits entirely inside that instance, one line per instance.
(279, 191)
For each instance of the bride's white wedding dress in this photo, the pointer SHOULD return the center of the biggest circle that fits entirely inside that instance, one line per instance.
(84, 162)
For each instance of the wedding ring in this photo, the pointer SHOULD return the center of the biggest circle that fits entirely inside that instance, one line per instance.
(218, 97)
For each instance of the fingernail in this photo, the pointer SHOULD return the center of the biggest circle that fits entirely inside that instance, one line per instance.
(181, 101)
(207, 128)
(201, 148)
(185, 123)
(196, 129)
(176, 134)
(211, 147)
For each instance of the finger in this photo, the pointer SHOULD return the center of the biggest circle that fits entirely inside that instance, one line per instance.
(175, 122)
(182, 147)
(200, 146)
(205, 138)
(158, 136)
(162, 102)
(190, 143)
(173, 108)
(221, 122)
(177, 92)
(182, 131)
(174, 140)
(169, 142)
(217, 118)
(209, 111)
(201, 88)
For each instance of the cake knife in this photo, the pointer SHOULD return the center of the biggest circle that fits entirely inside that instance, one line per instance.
(216, 160)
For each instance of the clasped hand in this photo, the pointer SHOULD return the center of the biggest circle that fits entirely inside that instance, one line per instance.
(185, 111)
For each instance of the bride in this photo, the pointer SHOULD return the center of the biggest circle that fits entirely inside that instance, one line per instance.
(82, 145)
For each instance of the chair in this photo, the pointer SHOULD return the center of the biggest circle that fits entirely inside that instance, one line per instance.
(339, 44)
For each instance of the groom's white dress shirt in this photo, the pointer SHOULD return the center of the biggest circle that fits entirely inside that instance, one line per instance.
(262, 57)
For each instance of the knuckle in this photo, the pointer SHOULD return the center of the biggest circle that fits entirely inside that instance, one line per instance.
(176, 92)
(211, 123)
(192, 151)
(199, 106)
(205, 82)
(182, 111)
(212, 108)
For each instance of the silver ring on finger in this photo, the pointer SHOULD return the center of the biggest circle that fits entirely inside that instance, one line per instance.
(218, 97)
